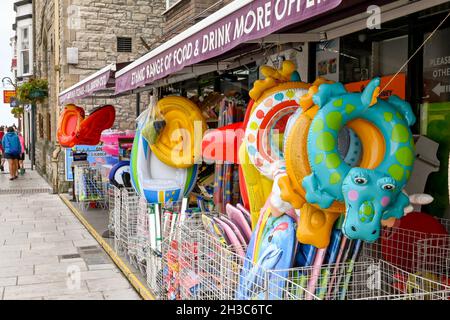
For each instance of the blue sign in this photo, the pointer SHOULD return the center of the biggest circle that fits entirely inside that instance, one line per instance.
(95, 155)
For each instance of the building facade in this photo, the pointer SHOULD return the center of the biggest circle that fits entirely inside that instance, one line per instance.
(75, 38)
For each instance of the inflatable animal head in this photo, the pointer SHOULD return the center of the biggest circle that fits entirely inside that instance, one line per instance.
(368, 195)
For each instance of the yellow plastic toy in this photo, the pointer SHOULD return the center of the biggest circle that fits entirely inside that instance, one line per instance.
(258, 186)
(176, 145)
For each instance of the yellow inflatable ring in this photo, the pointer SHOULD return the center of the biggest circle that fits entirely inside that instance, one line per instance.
(176, 145)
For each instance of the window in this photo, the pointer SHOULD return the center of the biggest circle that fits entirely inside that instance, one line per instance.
(124, 44)
(49, 127)
(41, 126)
(171, 3)
(24, 49)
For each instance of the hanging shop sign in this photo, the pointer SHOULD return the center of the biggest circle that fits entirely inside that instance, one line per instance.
(436, 65)
(395, 85)
(96, 82)
(7, 95)
(95, 155)
(239, 22)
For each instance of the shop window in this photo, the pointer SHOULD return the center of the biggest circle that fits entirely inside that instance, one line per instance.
(435, 115)
(124, 44)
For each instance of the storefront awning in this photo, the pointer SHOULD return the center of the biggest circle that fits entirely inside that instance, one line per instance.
(101, 80)
(240, 21)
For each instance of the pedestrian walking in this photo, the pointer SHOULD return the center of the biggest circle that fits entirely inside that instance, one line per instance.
(22, 154)
(12, 149)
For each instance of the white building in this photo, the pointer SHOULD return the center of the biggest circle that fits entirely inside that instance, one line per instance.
(24, 38)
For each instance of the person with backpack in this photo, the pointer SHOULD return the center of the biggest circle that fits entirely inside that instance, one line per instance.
(12, 149)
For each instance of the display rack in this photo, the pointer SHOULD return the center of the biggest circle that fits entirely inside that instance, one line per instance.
(364, 280)
(90, 189)
(412, 251)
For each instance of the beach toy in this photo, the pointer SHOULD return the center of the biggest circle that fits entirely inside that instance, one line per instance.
(117, 171)
(268, 119)
(236, 216)
(318, 176)
(153, 179)
(258, 186)
(236, 230)
(276, 252)
(75, 129)
(111, 141)
(179, 141)
(232, 237)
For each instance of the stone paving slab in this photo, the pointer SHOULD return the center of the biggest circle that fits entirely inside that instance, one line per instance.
(38, 235)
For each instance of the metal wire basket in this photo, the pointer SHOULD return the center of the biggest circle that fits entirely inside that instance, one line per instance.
(364, 280)
(125, 220)
(409, 250)
(226, 275)
(114, 198)
(90, 189)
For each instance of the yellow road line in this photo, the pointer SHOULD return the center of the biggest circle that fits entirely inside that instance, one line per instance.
(134, 281)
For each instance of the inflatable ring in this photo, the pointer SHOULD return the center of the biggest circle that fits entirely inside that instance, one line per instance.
(281, 102)
(319, 175)
(153, 179)
(176, 145)
(115, 175)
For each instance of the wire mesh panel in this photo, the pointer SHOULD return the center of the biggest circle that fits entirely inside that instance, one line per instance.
(113, 205)
(224, 274)
(125, 222)
(401, 247)
(433, 259)
(90, 189)
(368, 280)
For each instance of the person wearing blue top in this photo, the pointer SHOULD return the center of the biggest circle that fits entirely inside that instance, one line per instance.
(12, 150)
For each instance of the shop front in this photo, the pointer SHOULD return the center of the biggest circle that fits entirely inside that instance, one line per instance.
(221, 192)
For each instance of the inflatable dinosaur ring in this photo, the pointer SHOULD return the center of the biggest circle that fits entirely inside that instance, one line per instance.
(176, 145)
(320, 178)
(74, 129)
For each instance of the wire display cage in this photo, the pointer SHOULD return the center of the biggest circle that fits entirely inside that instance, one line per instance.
(433, 259)
(114, 198)
(90, 189)
(409, 250)
(125, 219)
(226, 275)
(165, 240)
(363, 280)
(180, 259)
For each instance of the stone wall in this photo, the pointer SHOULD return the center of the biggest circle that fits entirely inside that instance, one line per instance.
(92, 26)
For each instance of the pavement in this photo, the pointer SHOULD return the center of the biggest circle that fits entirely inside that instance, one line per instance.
(45, 251)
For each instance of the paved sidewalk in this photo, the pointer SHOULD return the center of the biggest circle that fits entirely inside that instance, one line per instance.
(41, 241)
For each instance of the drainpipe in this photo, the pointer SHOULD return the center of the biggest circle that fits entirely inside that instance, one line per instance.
(57, 150)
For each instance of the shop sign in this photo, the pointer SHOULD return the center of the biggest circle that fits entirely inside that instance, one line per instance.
(254, 20)
(7, 95)
(95, 155)
(98, 83)
(436, 65)
(397, 86)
